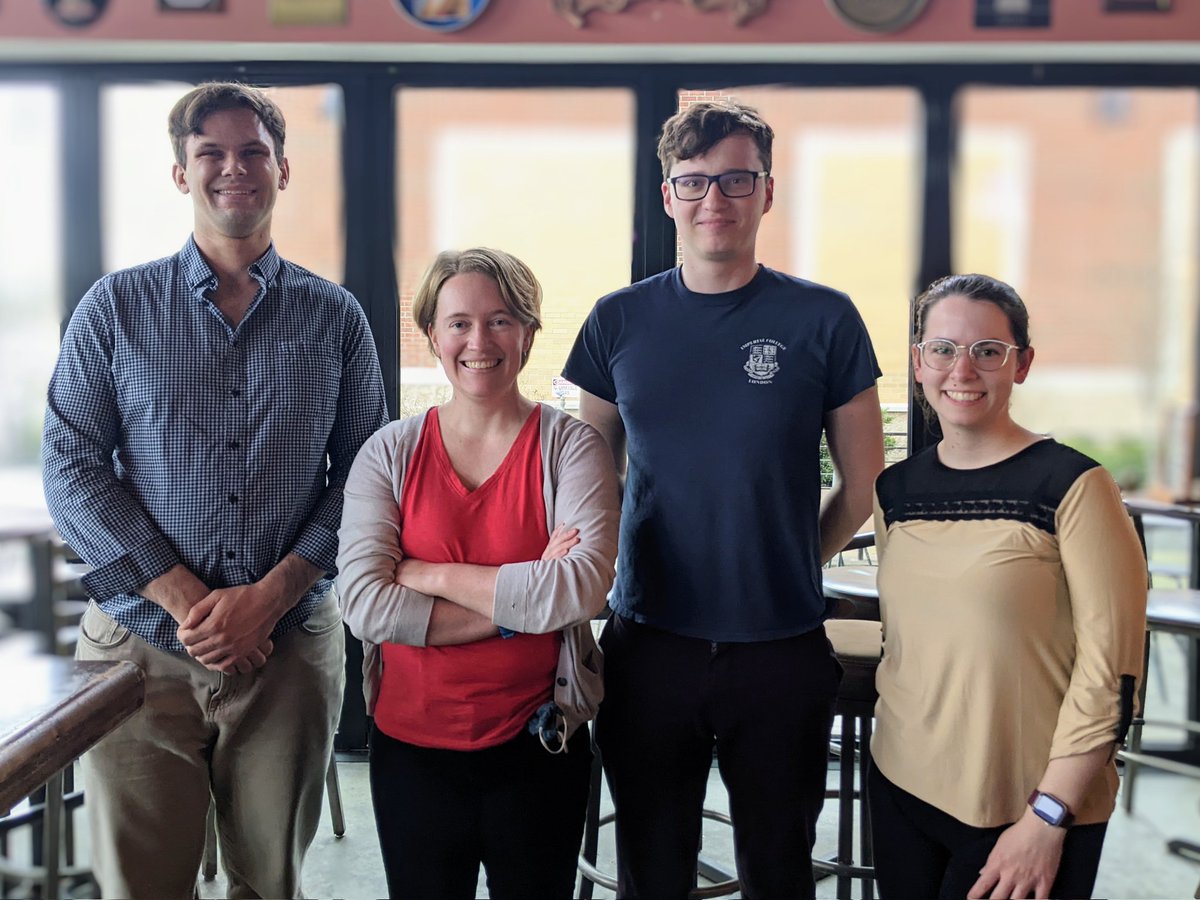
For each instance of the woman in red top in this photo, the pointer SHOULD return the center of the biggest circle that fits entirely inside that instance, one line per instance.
(477, 543)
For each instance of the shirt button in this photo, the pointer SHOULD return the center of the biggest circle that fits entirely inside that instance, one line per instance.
(233, 445)
(233, 498)
(562, 682)
(235, 393)
(229, 554)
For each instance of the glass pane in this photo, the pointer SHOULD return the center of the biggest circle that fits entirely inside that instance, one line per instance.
(145, 217)
(846, 168)
(502, 168)
(1085, 201)
(30, 282)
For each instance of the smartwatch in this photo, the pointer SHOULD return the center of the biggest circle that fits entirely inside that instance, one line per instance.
(1050, 809)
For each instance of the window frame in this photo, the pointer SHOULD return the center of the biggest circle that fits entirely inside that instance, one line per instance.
(369, 144)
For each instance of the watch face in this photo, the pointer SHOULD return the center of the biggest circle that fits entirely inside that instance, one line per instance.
(1049, 809)
(877, 15)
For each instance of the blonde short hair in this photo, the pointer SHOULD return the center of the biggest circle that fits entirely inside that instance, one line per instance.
(519, 287)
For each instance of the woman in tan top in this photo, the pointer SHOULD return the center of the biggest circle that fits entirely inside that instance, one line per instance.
(1013, 595)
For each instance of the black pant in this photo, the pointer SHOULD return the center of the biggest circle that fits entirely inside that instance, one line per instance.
(921, 851)
(516, 808)
(767, 707)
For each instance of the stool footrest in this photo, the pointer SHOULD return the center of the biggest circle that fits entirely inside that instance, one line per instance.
(706, 870)
(829, 867)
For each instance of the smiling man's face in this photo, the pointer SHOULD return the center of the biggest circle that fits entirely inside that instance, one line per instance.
(232, 175)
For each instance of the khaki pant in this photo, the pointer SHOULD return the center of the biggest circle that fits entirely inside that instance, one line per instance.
(257, 744)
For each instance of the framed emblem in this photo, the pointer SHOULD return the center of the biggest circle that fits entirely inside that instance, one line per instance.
(77, 13)
(442, 15)
(877, 15)
(192, 5)
(308, 12)
(1137, 5)
(1012, 13)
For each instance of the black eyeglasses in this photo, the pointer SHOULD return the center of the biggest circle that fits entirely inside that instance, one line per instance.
(739, 183)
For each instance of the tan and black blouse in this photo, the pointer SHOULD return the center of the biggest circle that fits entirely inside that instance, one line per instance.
(1013, 600)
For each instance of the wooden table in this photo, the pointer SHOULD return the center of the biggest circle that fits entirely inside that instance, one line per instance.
(1175, 611)
(52, 710)
(851, 591)
(23, 525)
(1182, 512)
(1189, 513)
(35, 530)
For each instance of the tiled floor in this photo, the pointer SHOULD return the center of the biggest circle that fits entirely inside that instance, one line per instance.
(1135, 863)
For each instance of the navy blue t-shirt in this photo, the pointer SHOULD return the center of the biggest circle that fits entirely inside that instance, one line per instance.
(723, 398)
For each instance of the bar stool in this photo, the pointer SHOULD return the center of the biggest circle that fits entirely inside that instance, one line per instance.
(590, 876)
(52, 869)
(858, 645)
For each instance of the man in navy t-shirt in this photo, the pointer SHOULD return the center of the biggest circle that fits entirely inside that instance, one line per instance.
(712, 383)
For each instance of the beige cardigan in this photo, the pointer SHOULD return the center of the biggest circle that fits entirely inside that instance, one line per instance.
(580, 489)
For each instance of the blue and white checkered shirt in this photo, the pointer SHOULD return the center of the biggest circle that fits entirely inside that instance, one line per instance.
(172, 437)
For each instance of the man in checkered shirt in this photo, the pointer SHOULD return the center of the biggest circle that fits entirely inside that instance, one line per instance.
(201, 422)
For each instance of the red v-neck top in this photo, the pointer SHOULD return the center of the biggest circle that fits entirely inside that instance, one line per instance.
(476, 695)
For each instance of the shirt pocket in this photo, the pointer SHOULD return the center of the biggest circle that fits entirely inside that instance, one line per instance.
(303, 381)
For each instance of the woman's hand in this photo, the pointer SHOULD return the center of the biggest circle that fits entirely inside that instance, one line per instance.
(1023, 862)
(562, 539)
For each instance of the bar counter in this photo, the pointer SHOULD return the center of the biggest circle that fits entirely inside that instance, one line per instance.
(52, 709)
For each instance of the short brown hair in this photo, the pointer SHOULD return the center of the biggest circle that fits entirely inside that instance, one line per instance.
(188, 115)
(697, 128)
(519, 287)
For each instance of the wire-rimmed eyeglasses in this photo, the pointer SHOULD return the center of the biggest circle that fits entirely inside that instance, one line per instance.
(735, 184)
(986, 355)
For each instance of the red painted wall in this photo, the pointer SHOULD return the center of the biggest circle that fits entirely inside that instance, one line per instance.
(644, 22)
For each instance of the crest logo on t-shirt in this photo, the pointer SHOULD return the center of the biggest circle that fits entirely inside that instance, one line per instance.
(763, 364)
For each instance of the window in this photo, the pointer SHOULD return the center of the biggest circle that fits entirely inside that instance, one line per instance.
(1085, 201)
(30, 281)
(546, 175)
(145, 217)
(847, 175)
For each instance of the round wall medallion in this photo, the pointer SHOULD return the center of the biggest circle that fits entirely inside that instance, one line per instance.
(877, 15)
(442, 15)
(76, 13)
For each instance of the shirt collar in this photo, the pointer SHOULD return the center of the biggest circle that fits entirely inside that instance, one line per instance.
(200, 277)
